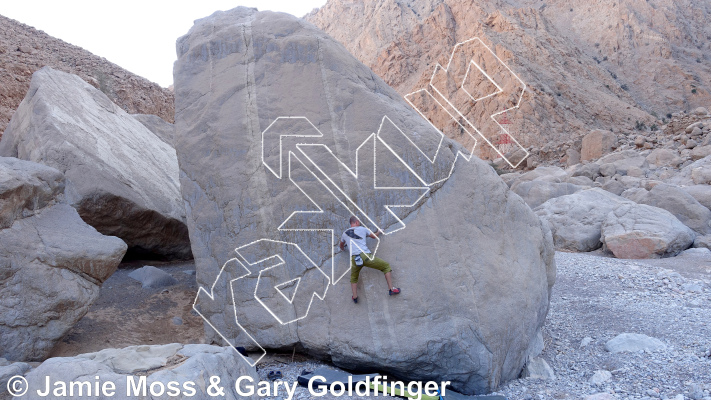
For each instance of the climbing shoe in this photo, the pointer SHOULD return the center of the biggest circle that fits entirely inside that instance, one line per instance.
(394, 291)
(355, 299)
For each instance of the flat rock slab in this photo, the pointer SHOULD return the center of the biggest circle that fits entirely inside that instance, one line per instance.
(632, 342)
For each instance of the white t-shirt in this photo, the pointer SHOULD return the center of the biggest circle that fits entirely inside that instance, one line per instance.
(355, 239)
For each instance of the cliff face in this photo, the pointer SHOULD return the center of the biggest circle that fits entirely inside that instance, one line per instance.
(23, 50)
(601, 64)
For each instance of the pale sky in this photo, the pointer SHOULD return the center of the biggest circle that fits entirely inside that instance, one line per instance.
(137, 35)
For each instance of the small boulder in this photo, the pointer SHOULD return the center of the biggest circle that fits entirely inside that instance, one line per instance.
(701, 111)
(614, 186)
(538, 368)
(664, 158)
(7, 371)
(700, 152)
(589, 170)
(600, 377)
(703, 242)
(632, 342)
(573, 157)
(547, 174)
(639, 231)
(681, 204)
(695, 173)
(575, 220)
(608, 169)
(701, 193)
(597, 143)
(640, 140)
(583, 181)
(152, 277)
(600, 396)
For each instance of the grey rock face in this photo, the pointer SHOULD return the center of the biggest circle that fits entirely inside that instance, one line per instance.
(164, 130)
(121, 178)
(237, 72)
(640, 231)
(51, 262)
(152, 277)
(160, 363)
(535, 193)
(681, 204)
(576, 220)
(633, 342)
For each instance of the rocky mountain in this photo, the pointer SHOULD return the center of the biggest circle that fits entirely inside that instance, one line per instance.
(618, 65)
(23, 50)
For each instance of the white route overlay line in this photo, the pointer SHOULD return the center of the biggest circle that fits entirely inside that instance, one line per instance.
(461, 86)
(282, 262)
(211, 295)
(334, 279)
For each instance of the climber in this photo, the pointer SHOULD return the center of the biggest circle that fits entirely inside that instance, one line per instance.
(361, 256)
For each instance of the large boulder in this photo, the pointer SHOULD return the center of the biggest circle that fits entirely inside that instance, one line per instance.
(597, 143)
(121, 177)
(52, 263)
(474, 263)
(680, 203)
(150, 369)
(641, 231)
(575, 220)
(536, 192)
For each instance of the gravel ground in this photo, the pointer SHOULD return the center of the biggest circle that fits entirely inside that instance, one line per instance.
(595, 299)
(598, 298)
